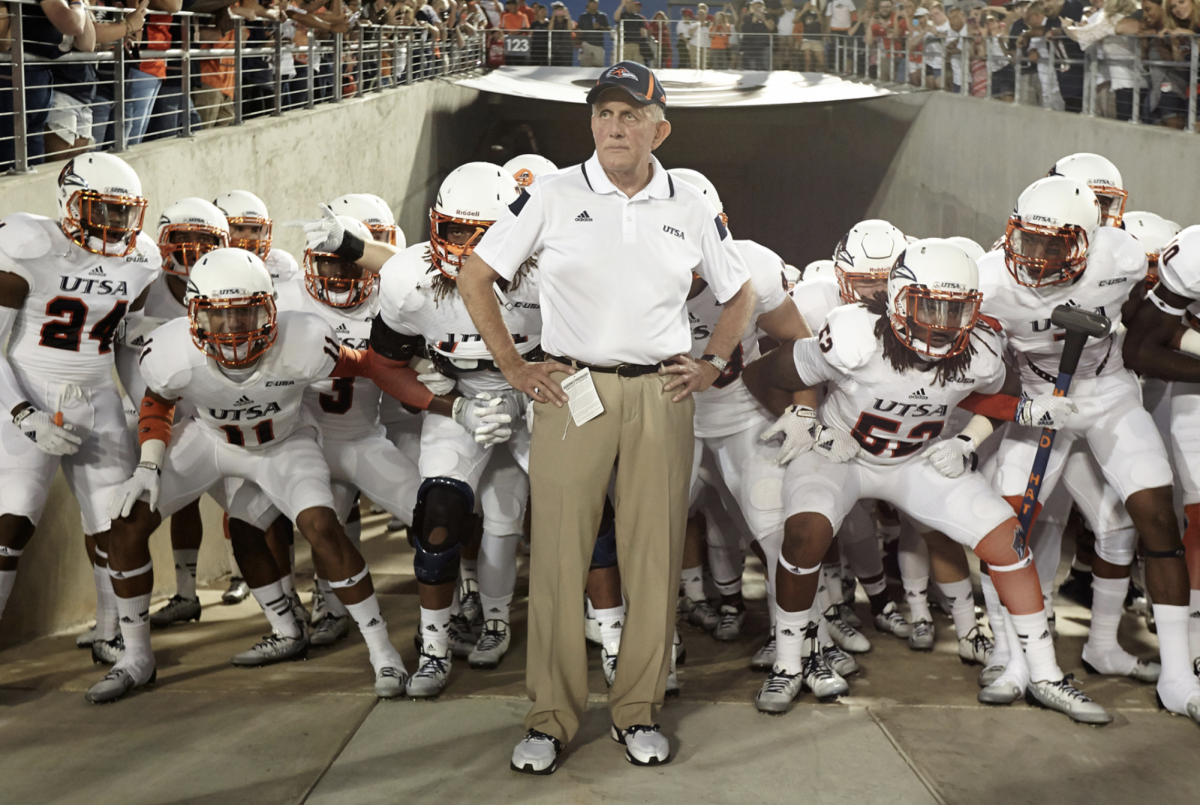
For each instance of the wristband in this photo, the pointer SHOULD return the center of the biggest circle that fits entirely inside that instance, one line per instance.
(20, 416)
(351, 249)
(975, 431)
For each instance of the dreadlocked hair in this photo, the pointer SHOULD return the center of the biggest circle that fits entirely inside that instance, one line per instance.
(443, 286)
(947, 370)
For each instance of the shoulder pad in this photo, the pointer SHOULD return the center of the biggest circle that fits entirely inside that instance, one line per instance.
(1128, 256)
(24, 236)
(281, 265)
(291, 295)
(400, 276)
(169, 357)
(992, 270)
(303, 341)
(765, 266)
(850, 331)
(815, 298)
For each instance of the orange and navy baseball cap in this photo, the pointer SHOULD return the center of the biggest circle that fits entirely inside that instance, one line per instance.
(634, 78)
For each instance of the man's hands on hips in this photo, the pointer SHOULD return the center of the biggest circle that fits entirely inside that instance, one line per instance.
(692, 376)
(534, 379)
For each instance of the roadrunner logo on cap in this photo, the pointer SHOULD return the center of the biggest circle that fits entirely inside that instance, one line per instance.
(620, 72)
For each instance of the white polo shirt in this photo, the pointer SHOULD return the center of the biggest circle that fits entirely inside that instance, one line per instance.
(615, 271)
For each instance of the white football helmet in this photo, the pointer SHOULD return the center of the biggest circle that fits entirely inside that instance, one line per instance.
(187, 230)
(335, 281)
(1047, 238)
(818, 269)
(864, 258)
(100, 204)
(1153, 232)
(791, 275)
(473, 196)
(231, 307)
(699, 181)
(973, 249)
(527, 167)
(374, 212)
(249, 221)
(933, 298)
(1103, 177)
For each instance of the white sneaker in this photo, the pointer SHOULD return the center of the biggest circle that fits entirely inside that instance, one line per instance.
(644, 745)
(729, 625)
(844, 634)
(1120, 663)
(608, 663)
(892, 621)
(117, 683)
(975, 648)
(818, 677)
(177, 610)
(778, 691)
(847, 613)
(840, 662)
(492, 645)
(536, 753)
(300, 612)
(330, 629)
(701, 613)
(430, 679)
(390, 681)
(764, 658)
(1064, 697)
(591, 628)
(991, 672)
(238, 591)
(472, 608)
(108, 652)
(272, 649)
(86, 639)
(1179, 696)
(923, 636)
(462, 637)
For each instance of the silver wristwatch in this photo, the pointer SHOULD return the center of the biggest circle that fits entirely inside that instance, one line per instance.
(718, 363)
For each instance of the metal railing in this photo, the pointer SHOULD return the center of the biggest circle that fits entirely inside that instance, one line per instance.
(122, 94)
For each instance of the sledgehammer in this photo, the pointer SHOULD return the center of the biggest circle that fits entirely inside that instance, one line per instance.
(1080, 325)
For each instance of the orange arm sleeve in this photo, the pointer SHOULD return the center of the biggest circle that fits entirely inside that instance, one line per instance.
(394, 377)
(154, 421)
(993, 406)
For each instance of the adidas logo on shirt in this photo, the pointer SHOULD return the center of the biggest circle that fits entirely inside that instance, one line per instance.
(341, 328)
(97, 272)
(243, 400)
(583, 218)
(919, 394)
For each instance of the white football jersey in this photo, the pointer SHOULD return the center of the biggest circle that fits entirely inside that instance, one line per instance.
(281, 266)
(815, 297)
(409, 305)
(161, 303)
(1116, 263)
(892, 414)
(64, 332)
(346, 408)
(727, 407)
(267, 405)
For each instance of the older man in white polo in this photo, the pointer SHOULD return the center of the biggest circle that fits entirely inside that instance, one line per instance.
(617, 242)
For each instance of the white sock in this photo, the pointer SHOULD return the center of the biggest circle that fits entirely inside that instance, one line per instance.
(727, 562)
(278, 608)
(7, 579)
(353, 530)
(185, 573)
(915, 595)
(823, 638)
(611, 622)
(693, 582)
(1001, 651)
(373, 628)
(1108, 603)
(831, 577)
(495, 609)
(1173, 652)
(435, 629)
(1194, 623)
(107, 627)
(497, 566)
(134, 614)
(790, 630)
(288, 582)
(874, 587)
(333, 604)
(962, 605)
(1034, 633)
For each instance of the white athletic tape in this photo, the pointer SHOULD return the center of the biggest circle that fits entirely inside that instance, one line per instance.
(797, 571)
(1021, 565)
(10, 552)
(350, 582)
(129, 574)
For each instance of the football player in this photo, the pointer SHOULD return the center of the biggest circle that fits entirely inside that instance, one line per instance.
(66, 287)
(245, 369)
(374, 212)
(1056, 252)
(250, 228)
(923, 336)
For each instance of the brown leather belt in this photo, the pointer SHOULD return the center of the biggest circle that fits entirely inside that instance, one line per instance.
(620, 370)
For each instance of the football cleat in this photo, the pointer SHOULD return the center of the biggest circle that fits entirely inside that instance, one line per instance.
(702, 614)
(608, 663)
(778, 692)
(536, 753)
(108, 652)
(1064, 697)
(990, 674)
(300, 612)
(86, 639)
(330, 629)
(390, 682)
(847, 613)
(492, 645)
(117, 683)
(730, 624)
(177, 610)
(821, 679)
(764, 658)
(844, 634)
(462, 638)
(238, 591)
(840, 662)
(1007, 686)
(975, 648)
(644, 744)
(472, 608)
(892, 621)
(318, 604)
(272, 649)
(432, 674)
(923, 636)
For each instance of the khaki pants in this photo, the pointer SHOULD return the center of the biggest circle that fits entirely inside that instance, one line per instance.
(591, 55)
(213, 106)
(652, 439)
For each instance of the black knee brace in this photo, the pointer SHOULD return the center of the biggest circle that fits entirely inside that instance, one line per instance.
(604, 554)
(441, 503)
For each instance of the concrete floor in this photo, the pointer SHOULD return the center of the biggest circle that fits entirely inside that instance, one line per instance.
(311, 732)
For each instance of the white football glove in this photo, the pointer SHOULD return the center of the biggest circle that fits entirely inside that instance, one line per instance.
(489, 419)
(799, 426)
(836, 445)
(326, 233)
(1046, 411)
(146, 478)
(436, 382)
(952, 457)
(54, 440)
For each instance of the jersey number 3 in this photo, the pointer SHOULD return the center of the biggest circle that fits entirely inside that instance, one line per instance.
(67, 333)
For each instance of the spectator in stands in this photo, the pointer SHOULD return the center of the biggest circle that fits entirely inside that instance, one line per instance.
(214, 100)
(1026, 32)
(592, 24)
(698, 45)
(977, 55)
(46, 26)
(562, 37)
(633, 30)
(516, 42)
(935, 32)
(839, 16)
(756, 37)
(1159, 107)
(719, 37)
(1181, 23)
(902, 24)
(1068, 56)
(660, 31)
(528, 11)
(810, 30)
(1109, 32)
(684, 29)
(918, 27)
(877, 36)
(785, 45)
(956, 44)
(999, 57)
(539, 46)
